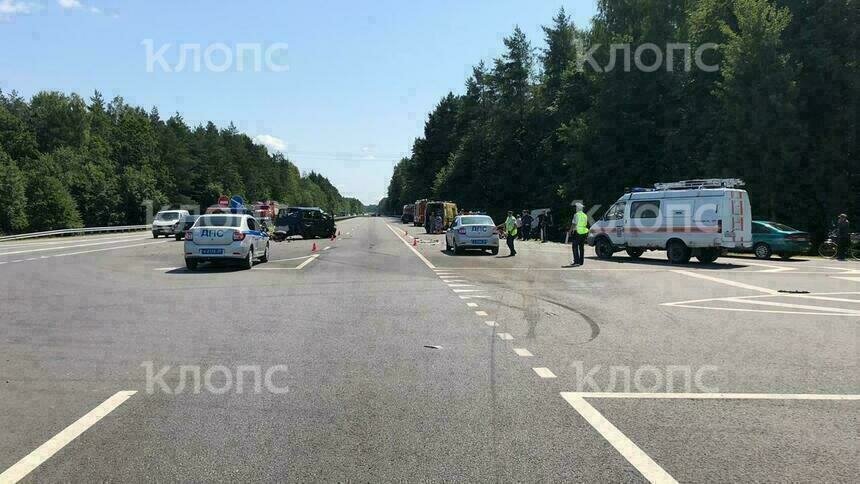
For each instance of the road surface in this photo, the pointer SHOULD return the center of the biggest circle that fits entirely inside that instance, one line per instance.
(379, 357)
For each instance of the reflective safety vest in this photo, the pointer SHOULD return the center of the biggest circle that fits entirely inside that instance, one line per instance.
(511, 226)
(581, 223)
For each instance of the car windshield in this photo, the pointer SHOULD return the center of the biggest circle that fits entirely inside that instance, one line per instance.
(167, 216)
(782, 227)
(476, 220)
(219, 221)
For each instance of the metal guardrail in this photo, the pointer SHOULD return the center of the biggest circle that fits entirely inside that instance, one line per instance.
(83, 230)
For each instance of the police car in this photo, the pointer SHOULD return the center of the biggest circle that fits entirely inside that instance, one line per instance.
(226, 237)
(472, 232)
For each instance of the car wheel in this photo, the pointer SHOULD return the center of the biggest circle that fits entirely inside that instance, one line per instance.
(178, 237)
(635, 252)
(494, 251)
(447, 245)
(762, 251)
(265, 257)
(249, 260)
(603, 248)
(457, 250)
(678, 252)
(191, 264)
(708, 256)
(154, 235)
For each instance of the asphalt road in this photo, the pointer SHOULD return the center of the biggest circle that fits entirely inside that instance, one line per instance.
(389, 359)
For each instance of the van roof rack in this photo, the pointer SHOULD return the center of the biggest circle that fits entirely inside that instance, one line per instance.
(703, 183)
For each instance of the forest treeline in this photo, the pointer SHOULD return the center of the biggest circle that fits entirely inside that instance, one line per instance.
(533, 130)
(69, 162)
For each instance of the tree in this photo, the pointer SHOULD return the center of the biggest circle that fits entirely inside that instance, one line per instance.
(13, 210)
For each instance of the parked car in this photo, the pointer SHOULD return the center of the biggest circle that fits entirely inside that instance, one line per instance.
(472, 232)
(226, 238)
(183, 225)
(775, 238)
(687, 218)
(309, 222)
(165, 221)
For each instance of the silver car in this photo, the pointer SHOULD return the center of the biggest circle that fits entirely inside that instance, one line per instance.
(225, 237)
(472, 232)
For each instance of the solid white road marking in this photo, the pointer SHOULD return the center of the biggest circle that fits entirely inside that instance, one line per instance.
(472, 305)
(105, 249)
(505, 336)
(479, 296)
(490, 323)
(522, 352)
(854, 279)
(770, 268)
(407, 244)
(544, 372)
(165, 269)
(327, 247)
(481, 313)
(630, 451)
(461, 285)
(813, 310)
(727, 282)
(291, 258)
(795, 306)
(716, 396)
(88, 244)
(468, 290)
(44, 452)
(308, 261)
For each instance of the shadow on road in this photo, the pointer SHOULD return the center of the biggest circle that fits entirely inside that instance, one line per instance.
(665, 263)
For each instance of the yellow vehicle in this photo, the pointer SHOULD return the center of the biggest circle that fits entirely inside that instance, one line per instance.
(448, 211)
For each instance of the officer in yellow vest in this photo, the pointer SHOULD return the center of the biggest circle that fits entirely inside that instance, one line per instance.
(579, 231)
(510, 226)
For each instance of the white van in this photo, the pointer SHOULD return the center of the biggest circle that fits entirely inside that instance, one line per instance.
(687, 218)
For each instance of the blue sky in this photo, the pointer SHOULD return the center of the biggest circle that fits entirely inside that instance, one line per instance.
(361, 76)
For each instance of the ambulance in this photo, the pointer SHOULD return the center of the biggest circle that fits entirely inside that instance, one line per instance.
(688, 218)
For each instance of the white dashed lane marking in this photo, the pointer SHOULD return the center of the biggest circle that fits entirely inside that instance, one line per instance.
(481, 313)
(491, 323)
(544, 372)
(472, 305)
(522, 352)
(505, 336)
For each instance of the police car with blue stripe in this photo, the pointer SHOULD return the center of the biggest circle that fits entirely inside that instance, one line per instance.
(226, 237)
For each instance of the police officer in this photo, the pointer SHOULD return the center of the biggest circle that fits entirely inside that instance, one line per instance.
(843, 236)
(510, 226)
(579, 231)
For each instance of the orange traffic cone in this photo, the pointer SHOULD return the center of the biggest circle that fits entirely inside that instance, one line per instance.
(414, 241)
(314, 248)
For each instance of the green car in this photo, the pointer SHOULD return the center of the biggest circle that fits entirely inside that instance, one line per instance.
(775, 238)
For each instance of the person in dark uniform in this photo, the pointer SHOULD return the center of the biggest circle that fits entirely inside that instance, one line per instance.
(843, 236)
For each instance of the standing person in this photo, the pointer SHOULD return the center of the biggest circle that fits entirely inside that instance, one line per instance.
(579, 231)
(510, 227)
(527, 225)
(542, 227)
(438, 223)
(519, 226)
(843, 236)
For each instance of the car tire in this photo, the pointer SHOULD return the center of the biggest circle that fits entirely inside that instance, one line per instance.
(635, 252)
(191, 264)
(677, 252)
(603, 248)
(494, 251)
(248, 263)
(708, 256)
(178, 237)
(457, 250)
(154, 235)
(447, 245)
(762, 251)
(265, 257)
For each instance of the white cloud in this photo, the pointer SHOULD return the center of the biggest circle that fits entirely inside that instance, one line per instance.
(10, 8)
(69, 3)
(270, 142)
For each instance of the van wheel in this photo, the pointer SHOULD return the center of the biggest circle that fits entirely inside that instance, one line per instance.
(708, 256)
(603, 248)
(678, 252)
(762, 251)
(635, 252)
(249, 260)
(191, 264)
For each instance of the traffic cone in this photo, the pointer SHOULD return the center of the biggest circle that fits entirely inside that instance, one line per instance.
(414, 241)
(314, 248)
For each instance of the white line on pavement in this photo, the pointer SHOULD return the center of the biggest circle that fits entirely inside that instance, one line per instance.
(727, 282)
(472, 305)
(468, 290)
(461, 285)
(481, 313)
(308, 261)
(491, 323)
(44, 452)
(630, 451)
(522, 352)
(423, 259)
(327, 247)
(505, 336)
(795, 306)
(544, 372)
(479, 296)
(715, 396)
(291, 258)
(854, 279)
(89, 244)
(105, 249)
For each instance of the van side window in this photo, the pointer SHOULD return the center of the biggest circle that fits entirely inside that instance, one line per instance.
(645, 209)
(615, 212)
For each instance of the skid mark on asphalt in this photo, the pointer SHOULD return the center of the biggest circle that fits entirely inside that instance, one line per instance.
(44, 452)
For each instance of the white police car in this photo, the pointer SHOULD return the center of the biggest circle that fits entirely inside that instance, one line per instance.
(472, 232)
(226, 237)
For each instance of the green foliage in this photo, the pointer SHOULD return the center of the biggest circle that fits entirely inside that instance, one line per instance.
(780, 112)
(66, 163)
